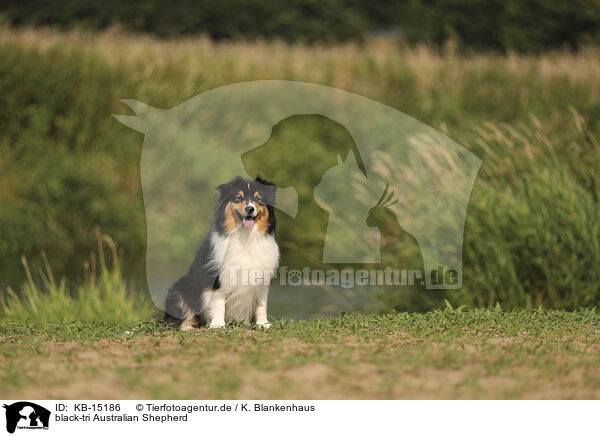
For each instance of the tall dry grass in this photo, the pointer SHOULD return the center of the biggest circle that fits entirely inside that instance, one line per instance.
(102, 294)
(531, 233)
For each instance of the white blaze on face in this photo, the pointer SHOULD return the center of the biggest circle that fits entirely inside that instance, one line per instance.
(248, 223)
(251, 203)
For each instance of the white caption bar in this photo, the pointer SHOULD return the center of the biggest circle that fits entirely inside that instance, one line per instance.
(151, 417)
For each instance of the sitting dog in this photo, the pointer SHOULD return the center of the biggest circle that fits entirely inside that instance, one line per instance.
(230, 275)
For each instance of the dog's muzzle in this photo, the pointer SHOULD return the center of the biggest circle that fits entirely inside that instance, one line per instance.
(248, 220)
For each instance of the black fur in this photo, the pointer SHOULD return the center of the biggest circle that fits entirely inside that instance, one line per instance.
(200, 276)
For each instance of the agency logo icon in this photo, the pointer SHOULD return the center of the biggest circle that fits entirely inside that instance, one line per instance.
(26, 415)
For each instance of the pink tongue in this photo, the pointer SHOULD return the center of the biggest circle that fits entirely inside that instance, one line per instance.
(248, 223)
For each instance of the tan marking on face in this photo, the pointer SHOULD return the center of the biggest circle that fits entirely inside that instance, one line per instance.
(232, 220)
(262, 222)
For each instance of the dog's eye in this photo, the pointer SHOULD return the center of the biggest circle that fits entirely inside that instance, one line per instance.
(258, 198)
(238, 199)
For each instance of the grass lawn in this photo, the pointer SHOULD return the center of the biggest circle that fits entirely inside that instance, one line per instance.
(449, 354)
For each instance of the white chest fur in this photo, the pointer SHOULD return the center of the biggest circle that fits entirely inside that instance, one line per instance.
(246, 261)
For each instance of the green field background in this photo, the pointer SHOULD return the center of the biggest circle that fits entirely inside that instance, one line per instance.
(69, 170)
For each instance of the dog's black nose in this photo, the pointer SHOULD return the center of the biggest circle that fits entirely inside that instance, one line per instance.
(249, 210)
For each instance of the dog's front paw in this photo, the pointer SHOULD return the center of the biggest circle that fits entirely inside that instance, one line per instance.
(187, 328)
(264, 325)
(216, 325)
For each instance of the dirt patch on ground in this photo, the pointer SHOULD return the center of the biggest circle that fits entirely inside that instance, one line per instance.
(254, 366)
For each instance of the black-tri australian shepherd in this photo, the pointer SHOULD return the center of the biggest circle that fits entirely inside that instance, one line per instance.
(230, 275)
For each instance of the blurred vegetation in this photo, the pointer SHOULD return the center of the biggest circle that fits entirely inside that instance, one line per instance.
(532, 231)
(103, 294)
(504, 25)
(531, 25)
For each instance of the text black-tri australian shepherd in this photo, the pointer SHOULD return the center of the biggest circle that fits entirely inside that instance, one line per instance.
(230, 275)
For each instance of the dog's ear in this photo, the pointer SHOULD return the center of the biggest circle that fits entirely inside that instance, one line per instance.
(227, 188)
(262, 181)
(269, 188)
(224, 189)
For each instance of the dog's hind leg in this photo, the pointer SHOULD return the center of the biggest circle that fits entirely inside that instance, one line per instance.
(189, 320)
(189, 324)
(171, 320)
(178, 313)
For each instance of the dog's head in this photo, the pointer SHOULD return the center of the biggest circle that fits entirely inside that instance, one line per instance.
(247, 205)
